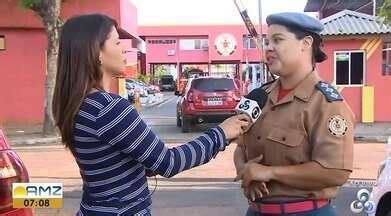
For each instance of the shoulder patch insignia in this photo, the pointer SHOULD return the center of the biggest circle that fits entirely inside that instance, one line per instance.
(337, 126)
(329, 91)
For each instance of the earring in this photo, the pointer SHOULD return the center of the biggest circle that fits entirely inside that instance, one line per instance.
(99, 62)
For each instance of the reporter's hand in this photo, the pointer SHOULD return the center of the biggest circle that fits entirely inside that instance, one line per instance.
(150, 173)
(235, 126)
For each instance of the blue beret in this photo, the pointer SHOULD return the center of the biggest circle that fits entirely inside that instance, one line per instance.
(298, 20)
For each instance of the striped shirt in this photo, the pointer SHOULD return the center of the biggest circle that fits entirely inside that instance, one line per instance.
(113, 146)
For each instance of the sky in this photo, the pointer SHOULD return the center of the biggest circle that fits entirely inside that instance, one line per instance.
(188, 12)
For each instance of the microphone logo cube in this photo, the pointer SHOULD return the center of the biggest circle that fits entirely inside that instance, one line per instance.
(249, 107)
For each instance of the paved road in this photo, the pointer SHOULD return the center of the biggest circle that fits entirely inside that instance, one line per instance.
(162, 119)
(165, 109)
(205, 190)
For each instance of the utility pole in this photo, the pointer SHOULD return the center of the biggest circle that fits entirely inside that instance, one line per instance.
(254, 34)
(261, 64)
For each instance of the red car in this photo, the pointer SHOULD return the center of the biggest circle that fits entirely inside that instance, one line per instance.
(206, 100)
(12, 170)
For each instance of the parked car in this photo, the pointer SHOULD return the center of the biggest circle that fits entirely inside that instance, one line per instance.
(133, 86)
(12, 170)
(154, 88)
(381, 193)
(146, 88)
(206, 100)
(151, 89)
(167, 82)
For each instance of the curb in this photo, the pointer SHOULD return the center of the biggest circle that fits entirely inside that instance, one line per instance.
(56, 141)
(35, 141)
(377, 139)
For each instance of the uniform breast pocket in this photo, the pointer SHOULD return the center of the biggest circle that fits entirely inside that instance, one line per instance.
(287, 137)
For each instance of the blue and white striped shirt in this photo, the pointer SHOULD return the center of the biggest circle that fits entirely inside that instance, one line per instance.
(113, 146)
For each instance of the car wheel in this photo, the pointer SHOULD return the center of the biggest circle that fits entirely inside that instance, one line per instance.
(186, 126)
(178, 120)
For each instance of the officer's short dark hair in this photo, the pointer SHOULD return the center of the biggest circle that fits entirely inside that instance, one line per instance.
(317, 54)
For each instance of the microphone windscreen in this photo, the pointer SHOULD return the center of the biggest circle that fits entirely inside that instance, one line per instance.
(259, 95)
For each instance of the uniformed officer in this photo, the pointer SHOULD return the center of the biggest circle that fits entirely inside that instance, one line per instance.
(301, 149)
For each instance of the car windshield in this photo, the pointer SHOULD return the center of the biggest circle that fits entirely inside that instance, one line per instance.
(167, 81)
(212, 85)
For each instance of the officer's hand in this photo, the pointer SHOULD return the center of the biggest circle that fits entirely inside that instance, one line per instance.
(235, 126)
(256, 190)
(253, 171)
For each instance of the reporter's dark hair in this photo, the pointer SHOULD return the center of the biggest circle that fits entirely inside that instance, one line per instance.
(317, 54)
(81, 39)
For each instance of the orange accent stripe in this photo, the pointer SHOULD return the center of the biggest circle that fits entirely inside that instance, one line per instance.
(374, 48)
(366, 43)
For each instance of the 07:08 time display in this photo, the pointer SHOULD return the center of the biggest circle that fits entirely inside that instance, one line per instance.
(32, 203)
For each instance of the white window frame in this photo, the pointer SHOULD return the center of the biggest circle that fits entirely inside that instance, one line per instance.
(202, 47)
(364, 67)
(2, 42)
(204, 44)
(388, 52)
(247, 43)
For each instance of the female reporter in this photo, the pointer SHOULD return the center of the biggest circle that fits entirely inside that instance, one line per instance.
(301, 149)
(110, 142)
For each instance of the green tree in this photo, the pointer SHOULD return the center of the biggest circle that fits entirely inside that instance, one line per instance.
(160, 71)
(385, 11)
(143, 78)
(49, 13)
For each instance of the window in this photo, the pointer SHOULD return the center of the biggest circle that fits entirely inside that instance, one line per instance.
(197, 44)
(249, 43)
(193, 44)
(2, 42)
(349, 67)
(161, 41)
(387, 59)
(204, 44)
(213, 85)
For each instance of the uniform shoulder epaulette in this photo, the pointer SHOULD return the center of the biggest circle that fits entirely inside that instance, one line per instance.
(329, 91)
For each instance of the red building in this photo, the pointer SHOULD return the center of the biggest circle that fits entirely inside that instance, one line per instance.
(22, 53)
(357, 44)
(214, 50)
(357, 63)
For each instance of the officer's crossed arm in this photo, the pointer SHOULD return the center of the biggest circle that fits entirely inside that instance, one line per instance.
(255, 189)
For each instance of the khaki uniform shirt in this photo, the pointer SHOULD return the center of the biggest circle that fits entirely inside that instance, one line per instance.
(302, 127)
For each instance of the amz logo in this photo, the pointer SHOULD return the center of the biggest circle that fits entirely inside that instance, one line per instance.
(28, 190)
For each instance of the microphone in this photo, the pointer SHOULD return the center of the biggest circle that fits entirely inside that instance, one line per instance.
(252, 104)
